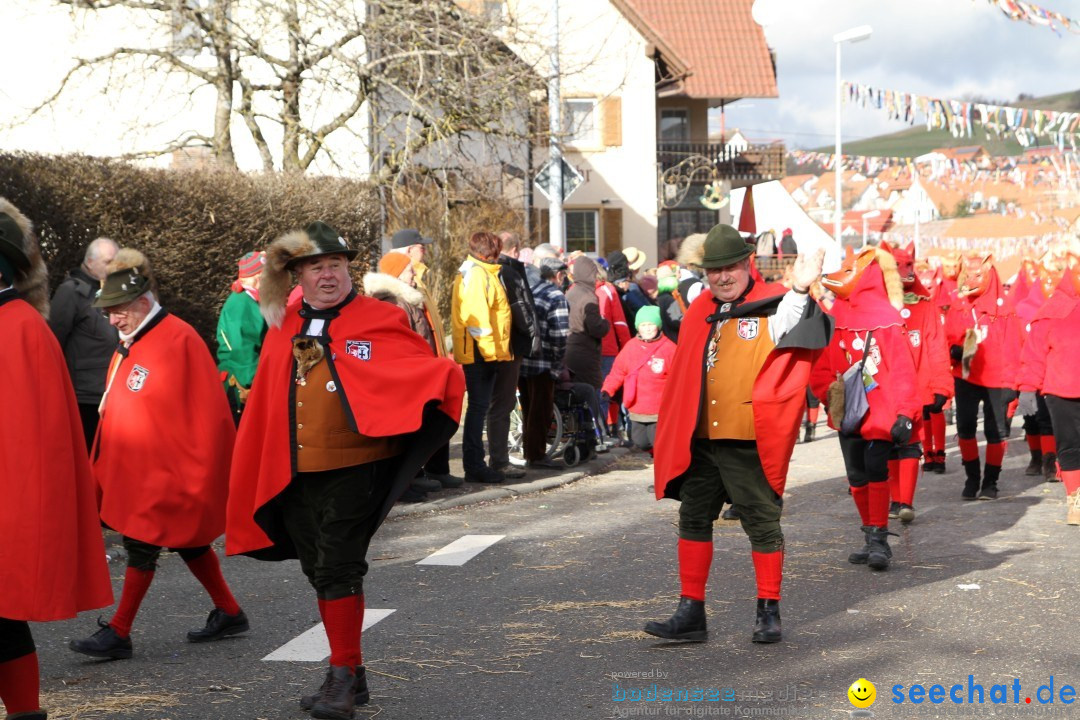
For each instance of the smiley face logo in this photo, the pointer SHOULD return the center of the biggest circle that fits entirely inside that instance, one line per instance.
(862, 693)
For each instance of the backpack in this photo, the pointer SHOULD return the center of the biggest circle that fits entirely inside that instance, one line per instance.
(524, 327)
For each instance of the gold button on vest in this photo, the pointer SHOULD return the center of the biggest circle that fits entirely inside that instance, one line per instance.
(738, 353)
(324, 440)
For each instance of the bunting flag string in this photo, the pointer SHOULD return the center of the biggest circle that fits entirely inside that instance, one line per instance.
(1035, 15)
(960, 117)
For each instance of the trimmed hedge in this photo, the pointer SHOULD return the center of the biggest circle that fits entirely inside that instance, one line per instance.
(192, 224)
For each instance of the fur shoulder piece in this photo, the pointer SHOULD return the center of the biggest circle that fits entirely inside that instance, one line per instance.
(276, 279)
(129, 259)
(33, 285)
(381, 284)
(692, 250)
(894, 286)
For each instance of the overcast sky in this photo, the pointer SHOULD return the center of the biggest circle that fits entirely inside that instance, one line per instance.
(942, 48)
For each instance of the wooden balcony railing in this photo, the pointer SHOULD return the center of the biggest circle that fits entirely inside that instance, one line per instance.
(755, 163)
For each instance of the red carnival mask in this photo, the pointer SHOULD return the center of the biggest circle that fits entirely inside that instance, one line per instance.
(975, 275)
(950, 267)
(843, 281)
(905, 261)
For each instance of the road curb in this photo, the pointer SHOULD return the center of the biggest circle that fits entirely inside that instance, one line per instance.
(597, 466)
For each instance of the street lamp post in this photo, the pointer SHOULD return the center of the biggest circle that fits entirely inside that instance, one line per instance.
(853, 35)
(866, 225)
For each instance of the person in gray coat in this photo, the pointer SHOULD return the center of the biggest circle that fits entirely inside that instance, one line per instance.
(587, 328)
(87, 338)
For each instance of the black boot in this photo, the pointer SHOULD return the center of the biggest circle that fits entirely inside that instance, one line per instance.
(35, 715)
(360, 690)
(688, 623)
(105, 643)
(218, 625)
(808, 436)
(880, 552)
(1035, 467)
(939, 466)
(989, 484)
(859, 557)
(971, 483)
(894, 509)
(338, 695)
(767, 624)
(1049, 467)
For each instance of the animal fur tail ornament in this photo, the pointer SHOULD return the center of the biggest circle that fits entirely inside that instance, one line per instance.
(835, 401)
(308, 351)
(32, 282)
(971, 345)
(276, 281)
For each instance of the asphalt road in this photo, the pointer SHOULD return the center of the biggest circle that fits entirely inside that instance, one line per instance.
(546, 622)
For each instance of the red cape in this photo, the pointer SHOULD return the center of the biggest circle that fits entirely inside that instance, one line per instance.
(52, 558)
(163, 448)
(400, 388)
(778, 397)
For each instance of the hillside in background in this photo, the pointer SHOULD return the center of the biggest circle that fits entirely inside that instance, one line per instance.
(916, 140)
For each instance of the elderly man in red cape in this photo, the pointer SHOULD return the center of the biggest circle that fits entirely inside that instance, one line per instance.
(161, 455)
(729, 419)
(52, 559)
(348, 403)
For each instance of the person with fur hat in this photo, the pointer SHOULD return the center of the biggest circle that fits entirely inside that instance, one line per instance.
(984, 337)
(240, 332)
(875, 410)
(640, 371)
(1047, 370)
(931, 354)
(56, 567)
(326, 446)
(163, 485)
(395, 283)
(729, 418)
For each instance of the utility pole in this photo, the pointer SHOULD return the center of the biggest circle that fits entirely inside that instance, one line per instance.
(555, 209)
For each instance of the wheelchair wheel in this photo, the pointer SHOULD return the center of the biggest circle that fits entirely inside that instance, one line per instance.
(517, 429)
(572, 455)
(554, 434)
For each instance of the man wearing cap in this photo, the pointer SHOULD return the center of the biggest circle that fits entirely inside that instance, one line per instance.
(87, 338)
(729, 418)
(53, 563)
(161, 455)
(411, 243)
(348, 403)
(240, 332)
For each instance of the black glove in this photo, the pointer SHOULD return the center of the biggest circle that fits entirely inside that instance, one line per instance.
(901, 430)
(938, 404)
(956, 353)
(604, 397)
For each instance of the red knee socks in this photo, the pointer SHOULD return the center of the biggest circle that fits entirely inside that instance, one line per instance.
(969, 449)
(878, 505)
(1034, 442)
(937, 422)
(1071, 478)
(1048, 444)
(769, 571)
(909, 478)
(136, 583)
(927, 436)
(861, 496)
(19, 684)
(342, 621)
(894, 480)
(995, 453)
(812, 414)
(695, 557)
(207, 570)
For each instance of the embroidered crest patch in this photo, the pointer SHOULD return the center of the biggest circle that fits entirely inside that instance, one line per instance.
(137, 378)
(748, 328)
(916, 337)
(359, 349)
(875, 353)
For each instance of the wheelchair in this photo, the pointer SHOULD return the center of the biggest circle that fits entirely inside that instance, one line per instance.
(572, 434)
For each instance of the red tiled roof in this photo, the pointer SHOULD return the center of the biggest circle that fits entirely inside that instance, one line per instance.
(723, 48)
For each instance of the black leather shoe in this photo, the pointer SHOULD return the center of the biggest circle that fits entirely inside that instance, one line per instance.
(767, 624)
(412, 495)
(105, 643)
(1035, 467)
(361, 695)
(35, 715)
(688, 623)
(859, 557)
(447, 480)
(218, 625)
(879, 553)
(971, 481)
(338, 695)
(484, 475)
(1049, 467)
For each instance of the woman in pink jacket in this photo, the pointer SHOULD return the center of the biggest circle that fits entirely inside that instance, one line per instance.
(641, 369)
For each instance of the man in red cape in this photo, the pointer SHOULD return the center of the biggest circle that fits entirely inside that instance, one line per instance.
(729, 419)
(161, 455)
(53, 558)
(984, 336)
(348, 403)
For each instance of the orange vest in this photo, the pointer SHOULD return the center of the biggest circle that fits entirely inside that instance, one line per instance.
(323, 438)
(734, 356)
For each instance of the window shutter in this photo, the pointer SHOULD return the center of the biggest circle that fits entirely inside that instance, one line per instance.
(612, 119)
(611, 239)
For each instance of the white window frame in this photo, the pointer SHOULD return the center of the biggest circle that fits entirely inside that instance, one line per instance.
(659, 122)
(588, 135)
(596, 228)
